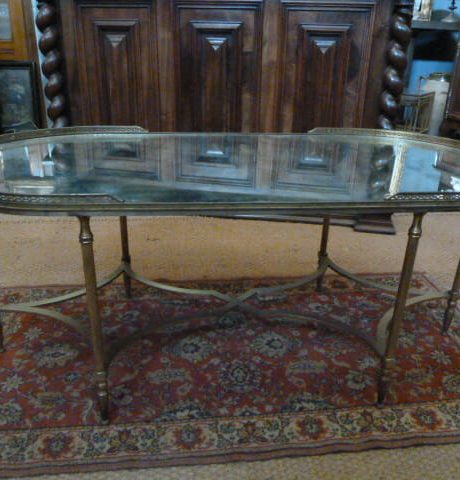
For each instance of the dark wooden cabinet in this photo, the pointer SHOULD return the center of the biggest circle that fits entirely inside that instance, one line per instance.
(225, 65)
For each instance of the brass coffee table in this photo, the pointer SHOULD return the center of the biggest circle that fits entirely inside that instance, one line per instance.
(328, 173)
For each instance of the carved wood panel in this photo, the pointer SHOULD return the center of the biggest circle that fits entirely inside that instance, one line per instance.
(326, 49)
(222, 65)
(322, 57)
(116, 65)
(218, 47)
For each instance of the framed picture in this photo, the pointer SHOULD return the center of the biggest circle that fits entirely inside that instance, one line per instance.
(19, 100)
(422, 10)
(6, 30)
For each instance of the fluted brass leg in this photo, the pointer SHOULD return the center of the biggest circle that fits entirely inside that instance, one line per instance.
(389, 360)
(125, 258)
(322, 254)
(89, 269)
(452, 301)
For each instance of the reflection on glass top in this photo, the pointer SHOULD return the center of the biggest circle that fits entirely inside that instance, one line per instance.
(175, 168)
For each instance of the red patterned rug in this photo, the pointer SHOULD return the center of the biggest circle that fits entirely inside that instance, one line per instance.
(235, 389)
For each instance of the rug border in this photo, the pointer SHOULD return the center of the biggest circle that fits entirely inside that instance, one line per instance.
(243, 453)
(208, 459)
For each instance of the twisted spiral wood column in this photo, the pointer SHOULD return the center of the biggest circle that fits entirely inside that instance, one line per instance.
(381, 166)
(393, 85)
(393, 78)
(52, 65)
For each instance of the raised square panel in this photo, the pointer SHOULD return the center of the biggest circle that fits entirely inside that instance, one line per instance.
(324, 63)
(219, 64)
(115, 44)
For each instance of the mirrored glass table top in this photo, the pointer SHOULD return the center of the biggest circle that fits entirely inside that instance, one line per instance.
(118, 171)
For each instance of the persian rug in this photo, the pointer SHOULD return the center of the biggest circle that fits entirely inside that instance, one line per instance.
(235, 388)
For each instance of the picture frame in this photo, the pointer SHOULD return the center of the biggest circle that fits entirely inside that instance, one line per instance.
(6, 22)
(19, 101)
(422, 10)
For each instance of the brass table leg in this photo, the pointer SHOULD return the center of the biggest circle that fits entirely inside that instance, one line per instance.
(322, 254)
(86, 240)
(125, 258)
(389, 360)
(454, 297)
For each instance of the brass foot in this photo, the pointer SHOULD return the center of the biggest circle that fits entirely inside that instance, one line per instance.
(319, 285)
(320, 280)
(382, 392)
(322, 254)
(387, 369)
(104, 409)
(127, 285)
(103, 396)
(2, 345)
(452, 301)
(450, 311)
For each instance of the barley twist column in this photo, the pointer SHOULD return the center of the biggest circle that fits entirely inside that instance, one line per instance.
(52, 65)
(393, 83)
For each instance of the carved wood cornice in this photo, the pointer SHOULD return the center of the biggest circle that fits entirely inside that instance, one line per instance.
(52, 64)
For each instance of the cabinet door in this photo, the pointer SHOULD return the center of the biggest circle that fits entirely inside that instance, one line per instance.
(218, 48)
(325, 57)
(112, 62)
